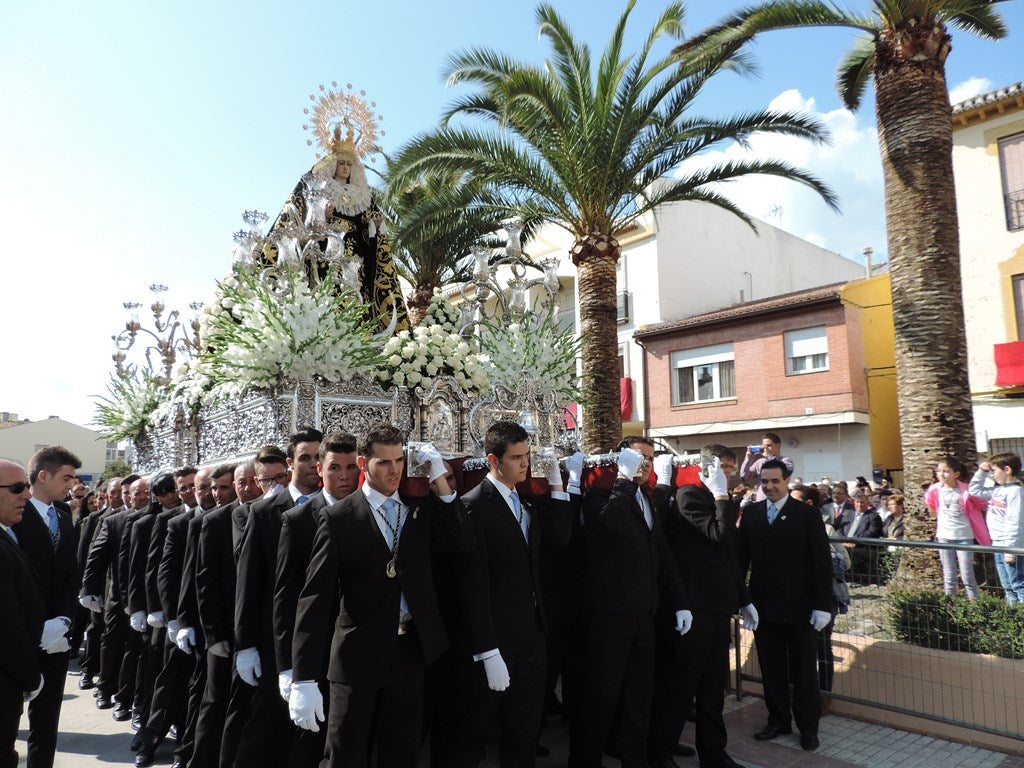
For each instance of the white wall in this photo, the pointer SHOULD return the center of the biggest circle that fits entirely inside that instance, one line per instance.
(18, 443)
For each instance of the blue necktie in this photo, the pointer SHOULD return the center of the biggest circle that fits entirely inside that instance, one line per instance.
(772, 512)
(301, 500)
(51, 513)
(390, 507)
(517, 507)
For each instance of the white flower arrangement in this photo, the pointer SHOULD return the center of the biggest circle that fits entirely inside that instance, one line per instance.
(537, 349)
(443, 313)
(190, 388)
(128, 411)
(415, 359)
(255, 336)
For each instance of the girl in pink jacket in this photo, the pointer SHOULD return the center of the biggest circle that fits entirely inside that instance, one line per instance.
(961, 520)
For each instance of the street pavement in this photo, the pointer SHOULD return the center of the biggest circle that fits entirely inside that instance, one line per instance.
(90, 737)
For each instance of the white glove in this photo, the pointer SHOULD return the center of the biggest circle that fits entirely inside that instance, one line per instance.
(59, 645)
(53, 630)
(306, 705)
(428, 454)
(629, 462)
(284, 684)
(138, 621)
(714, 478)
(750, 618)
(29, 696)
(574, 465)
(247, 664)
(186, 639)
(173, 627)
(820, 619)
(156, 619)
(222, 649)
(92, 602)
(555, 473)
(663, 468)
(497, 672)
(684, 620)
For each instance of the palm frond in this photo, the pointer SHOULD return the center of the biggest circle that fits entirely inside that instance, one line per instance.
(855, 70)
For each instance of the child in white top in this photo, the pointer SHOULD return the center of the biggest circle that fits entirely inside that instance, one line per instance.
(1005, 519)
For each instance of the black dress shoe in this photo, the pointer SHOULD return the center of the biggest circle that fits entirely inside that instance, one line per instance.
(661, 761)
(122, 713)
(770, 732)
(728, 762)
(137, 721)
(103, 702)
(809, 741)
(138, 742)
(684, 750)
(85, 683)
(542, 751)
(177, 764)
(146, 756)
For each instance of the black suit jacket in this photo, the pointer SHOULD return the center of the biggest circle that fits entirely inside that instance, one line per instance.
(124, 557)
(257, 570)
(188, 591)
(298, 530)
(138, 562)
(155, 556)
(870, 527)
(215, 574)
(57, 570)
(501, 580)
(102, 575)
(701, 532)
(789, 562)
(349, 560)
(840, 516)
(21, 605)
(172, 563)
(87, 528)
(629, 567)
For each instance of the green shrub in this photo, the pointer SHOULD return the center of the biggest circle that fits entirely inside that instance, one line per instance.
(934, 620)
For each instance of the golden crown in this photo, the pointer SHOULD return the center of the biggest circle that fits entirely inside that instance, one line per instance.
(336, 109)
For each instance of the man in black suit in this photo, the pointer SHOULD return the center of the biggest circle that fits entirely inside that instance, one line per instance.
(840, 510)
(267, 734)
(701, 531)
(131, 690)
(90, 665)
(46, 536)
(866, 524)
(22, 606)
(339, 469)
(629, 571)
(101, 592)
(371, 564)
(504, 606)
(782, 542)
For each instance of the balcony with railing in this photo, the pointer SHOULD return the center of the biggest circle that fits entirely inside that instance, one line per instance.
(623, 307)
(1014, 202)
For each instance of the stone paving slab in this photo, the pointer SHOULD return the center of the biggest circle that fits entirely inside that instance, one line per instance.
(90, 737)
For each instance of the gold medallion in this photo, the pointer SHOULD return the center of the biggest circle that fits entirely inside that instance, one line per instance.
(392, 570)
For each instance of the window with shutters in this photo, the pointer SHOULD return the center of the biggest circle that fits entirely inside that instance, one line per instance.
(703, 374)
(1011, 167)
(806, 350)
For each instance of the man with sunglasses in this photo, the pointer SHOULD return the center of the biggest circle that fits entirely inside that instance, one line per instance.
(47, 537)
(21, 605)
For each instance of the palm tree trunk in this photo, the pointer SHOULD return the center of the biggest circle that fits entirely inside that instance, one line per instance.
(417, 302)
(916, 140)
(595, 258)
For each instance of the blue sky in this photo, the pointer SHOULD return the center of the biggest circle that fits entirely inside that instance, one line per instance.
(135, 133)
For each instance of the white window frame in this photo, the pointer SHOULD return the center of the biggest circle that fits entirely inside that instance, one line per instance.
(708, 359)
(806, 350)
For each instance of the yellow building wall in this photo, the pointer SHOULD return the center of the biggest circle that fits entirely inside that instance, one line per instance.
(873, 298)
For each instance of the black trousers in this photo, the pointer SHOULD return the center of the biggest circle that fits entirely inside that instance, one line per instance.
(196, 685)
(170, 694)
(385, 716)
(112, 650)
(619, 677)
(90, 664)
(44, 710)
(308, 747)
(130, 661)
(786, 651)
(11, 703)
(235, 717)
(209, 720)
(268, 733)
(694, 665)
(449, 708)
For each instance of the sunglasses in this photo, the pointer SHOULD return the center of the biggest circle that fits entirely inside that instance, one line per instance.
(16, 488)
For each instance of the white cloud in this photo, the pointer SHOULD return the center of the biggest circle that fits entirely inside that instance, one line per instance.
(850, 165)
(969, 88)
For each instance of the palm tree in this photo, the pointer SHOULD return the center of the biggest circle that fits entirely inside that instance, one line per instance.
(903, 46)
(434, 230)
(591, 149)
